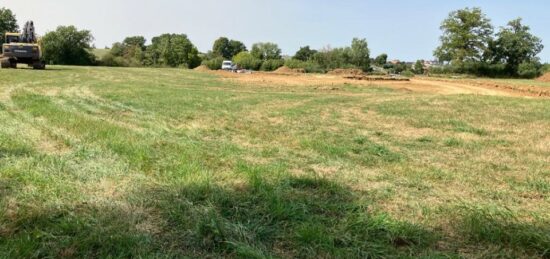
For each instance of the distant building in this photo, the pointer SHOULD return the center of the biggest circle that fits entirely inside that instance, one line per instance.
(431, 63)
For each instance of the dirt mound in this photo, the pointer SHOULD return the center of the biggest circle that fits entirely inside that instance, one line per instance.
(347, 72)
(287, 70)
(202, 68)
(544, 78)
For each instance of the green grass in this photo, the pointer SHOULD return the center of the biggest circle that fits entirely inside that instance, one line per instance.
(168, 163)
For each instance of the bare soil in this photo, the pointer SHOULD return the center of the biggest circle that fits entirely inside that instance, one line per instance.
(544, 78)
(346, 72)
(418, 84)
(202, 68)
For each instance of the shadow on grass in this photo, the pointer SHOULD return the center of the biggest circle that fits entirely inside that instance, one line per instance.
(287, 217)
(261, 217)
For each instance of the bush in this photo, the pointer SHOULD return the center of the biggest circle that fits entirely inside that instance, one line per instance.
(529, 70)
(247, 61)
(474, 68)
(308, 66)
(214, 64)
(272, 64)
(407, 73)
(545, 68)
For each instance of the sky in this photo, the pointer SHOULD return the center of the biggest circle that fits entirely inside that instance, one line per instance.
(404, 29)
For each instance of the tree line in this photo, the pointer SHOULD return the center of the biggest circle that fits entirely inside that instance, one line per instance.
(469, 45)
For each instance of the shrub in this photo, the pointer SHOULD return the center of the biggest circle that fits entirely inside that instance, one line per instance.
(308, 66)
(407, 73)
(247, 61)
(545, 68)
(272, 64)
(529, 70)
(474, 68)
(214, 64)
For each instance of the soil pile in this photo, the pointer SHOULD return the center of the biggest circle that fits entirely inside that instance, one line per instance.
(202, 68)
(287, 70)
(544, 78)
(346, 72)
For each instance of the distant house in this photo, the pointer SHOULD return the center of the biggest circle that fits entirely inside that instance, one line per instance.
(431, 63)
(395, 61)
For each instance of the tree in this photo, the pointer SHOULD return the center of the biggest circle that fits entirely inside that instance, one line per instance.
(68, 46)
(419, 67)
(331, 58)
(135, 41)
(223, 47)
(247, 61)
(173, 50)
(305, 53)
(266, 51)
(515, 45)
(236, 48)
(466, 36)
(8, 23)
(381, 60)
(360, 54)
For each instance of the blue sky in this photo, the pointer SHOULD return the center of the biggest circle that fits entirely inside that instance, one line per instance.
(406, 30)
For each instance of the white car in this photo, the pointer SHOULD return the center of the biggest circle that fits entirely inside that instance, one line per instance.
(227, 65)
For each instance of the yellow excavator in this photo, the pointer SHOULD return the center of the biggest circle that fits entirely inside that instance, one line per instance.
(22, 48)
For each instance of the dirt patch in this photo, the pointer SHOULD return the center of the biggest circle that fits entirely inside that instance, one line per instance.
(346, 72)
(416, 84)
(287, 70)
(544, 78)
(202, 68)
(491, 87)
(376, 78)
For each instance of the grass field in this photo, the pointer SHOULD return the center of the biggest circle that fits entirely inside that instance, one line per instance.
(163, 163)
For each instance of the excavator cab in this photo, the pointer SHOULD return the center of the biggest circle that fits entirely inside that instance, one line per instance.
(12, 38)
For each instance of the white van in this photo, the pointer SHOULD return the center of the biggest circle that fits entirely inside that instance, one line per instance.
(227, 65)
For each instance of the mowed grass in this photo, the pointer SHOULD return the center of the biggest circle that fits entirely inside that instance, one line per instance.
(168, 163)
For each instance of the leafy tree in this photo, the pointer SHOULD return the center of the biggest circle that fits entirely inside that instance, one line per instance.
(381, 59)
(173, 50)
(305, 53)
(466, 35)
(515, 45)
(360, 54)
(329, 58)
(419, 67)
(247, 61)
(135, 41)
(266, 51)
(68, 46)
(8, 23)
(236, 48)
(223, 47)
(129, 53)
(117, 49)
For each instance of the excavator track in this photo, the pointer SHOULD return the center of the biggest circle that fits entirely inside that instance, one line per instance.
(5, 63)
